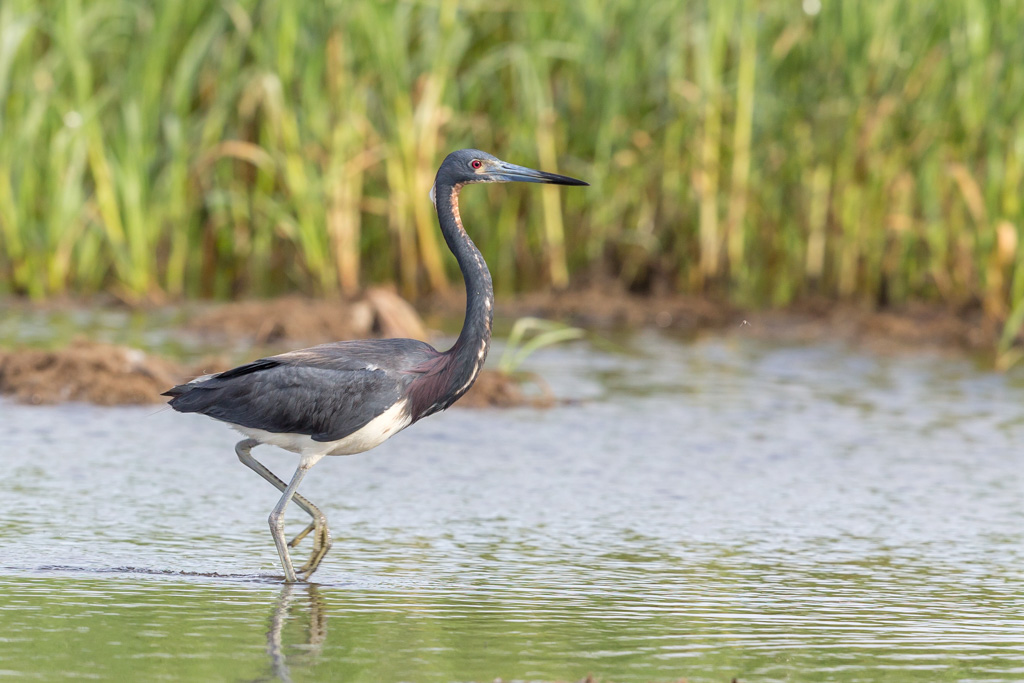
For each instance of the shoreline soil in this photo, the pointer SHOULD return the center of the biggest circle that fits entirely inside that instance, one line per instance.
(110, 374)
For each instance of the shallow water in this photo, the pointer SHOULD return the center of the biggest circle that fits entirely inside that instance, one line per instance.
(707, 510)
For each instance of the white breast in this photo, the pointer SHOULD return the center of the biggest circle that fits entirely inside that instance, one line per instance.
(372, 434)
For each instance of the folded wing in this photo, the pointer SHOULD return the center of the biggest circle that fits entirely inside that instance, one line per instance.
(326, 392)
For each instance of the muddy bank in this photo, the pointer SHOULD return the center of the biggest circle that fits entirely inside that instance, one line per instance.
(897, 329)
(106, 374)
(294, 321)
(377, 313)
(602, 310)
(110, 375)
(382, 313)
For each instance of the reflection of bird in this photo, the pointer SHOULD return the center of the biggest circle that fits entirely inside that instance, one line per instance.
(316, 631)
(348, 397)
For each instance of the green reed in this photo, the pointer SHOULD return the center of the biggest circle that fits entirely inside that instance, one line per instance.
(872, 151)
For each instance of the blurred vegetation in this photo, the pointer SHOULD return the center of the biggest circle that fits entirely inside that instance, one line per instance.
(765, 151)
(532, 334)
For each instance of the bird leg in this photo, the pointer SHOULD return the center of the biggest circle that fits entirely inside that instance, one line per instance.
(276, 520)
(321, 544)
(322, 536)
(319, 524)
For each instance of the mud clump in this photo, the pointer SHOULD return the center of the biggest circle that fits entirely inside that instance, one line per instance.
(86, 371)
(497, 389)
(379, 312)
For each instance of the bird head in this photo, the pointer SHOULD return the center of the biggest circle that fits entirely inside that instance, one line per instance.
(473, 166)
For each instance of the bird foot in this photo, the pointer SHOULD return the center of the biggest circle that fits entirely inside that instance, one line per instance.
(302, 534)
(321, 544)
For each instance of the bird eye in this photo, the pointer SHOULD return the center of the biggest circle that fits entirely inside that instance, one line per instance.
(476, 163)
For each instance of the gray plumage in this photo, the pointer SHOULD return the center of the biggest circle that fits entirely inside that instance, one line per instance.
(327, 392)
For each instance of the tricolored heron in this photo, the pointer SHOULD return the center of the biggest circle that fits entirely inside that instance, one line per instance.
(348, 397)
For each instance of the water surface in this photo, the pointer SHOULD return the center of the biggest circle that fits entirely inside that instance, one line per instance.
(708, 510)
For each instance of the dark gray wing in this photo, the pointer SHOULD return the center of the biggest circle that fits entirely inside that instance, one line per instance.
(327, 391)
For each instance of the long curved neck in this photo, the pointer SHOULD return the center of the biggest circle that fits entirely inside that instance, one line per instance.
(470, 349)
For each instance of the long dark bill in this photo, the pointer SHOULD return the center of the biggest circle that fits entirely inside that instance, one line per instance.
(512, 173)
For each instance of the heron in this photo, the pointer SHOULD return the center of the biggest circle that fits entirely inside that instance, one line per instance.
(348, 397)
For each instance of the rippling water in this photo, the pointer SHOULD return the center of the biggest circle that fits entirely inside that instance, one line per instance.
(705, 510)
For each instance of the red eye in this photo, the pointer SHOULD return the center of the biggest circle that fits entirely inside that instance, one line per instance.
(476, 163)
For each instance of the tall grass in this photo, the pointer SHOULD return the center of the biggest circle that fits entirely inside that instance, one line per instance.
(869, 151)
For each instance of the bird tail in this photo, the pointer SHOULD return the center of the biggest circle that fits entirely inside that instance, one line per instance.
(176, 391)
